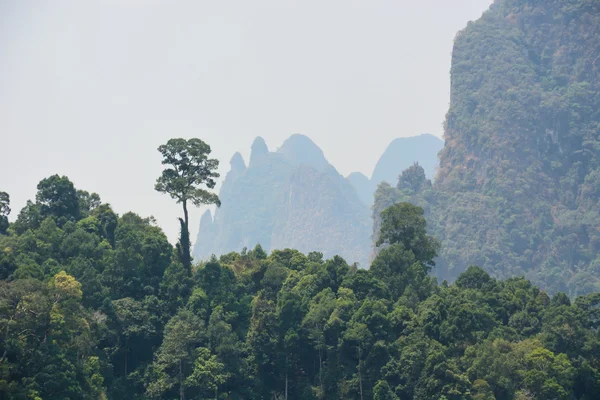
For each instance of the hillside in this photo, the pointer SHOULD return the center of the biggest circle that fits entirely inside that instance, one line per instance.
(400, 154)
(96, 305)
(518, 186)
(291, 198)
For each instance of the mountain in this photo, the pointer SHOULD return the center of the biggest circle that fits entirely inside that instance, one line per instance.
(400, 154)
(364, 186)
(518, 186)
(290, 198)
(403, 152)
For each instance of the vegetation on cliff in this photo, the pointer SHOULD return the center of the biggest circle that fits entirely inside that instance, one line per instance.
(517, 190)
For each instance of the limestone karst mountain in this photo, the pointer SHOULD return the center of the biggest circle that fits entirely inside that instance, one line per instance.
(290, 198)
(518, 186)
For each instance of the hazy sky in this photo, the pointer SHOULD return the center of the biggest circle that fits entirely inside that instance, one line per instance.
(90, 89)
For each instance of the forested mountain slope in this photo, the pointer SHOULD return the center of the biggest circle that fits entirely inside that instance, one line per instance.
(290, 198)
(518, 187)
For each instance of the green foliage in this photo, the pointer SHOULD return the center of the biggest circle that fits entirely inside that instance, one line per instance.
(404, 224)
(86, 316)
(517, 186)
(94, 305)
(4, 211)
(57, 197)
(188, 169)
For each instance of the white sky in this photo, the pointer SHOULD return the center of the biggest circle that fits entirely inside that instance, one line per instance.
(90, 89)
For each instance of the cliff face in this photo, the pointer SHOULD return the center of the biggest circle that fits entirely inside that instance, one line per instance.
(518, 184)
(289, 198)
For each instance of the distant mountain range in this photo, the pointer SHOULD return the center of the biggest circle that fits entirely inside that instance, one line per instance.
(399, 155)
(294, 198)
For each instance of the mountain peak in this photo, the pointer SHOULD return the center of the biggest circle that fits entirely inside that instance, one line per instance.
(206, 219)
(300, 149)
(259, 149)
(237, 162)
(402, 152)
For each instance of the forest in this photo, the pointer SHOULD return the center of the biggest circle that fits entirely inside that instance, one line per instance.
(95, 305)
(482, 284)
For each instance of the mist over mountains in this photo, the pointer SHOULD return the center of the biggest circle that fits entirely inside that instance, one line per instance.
(294, 198)
(400, 154)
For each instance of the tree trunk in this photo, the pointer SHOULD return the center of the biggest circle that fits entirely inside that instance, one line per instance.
(185, 215)
(286, 377)
(360, 376)
(286, 385)
(184, 239)
(181, 390)
(320, 372)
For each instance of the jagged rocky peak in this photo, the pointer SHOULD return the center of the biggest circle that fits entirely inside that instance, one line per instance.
(206, 219)
(290, 198)
(363, 185)
(299, 149)
(237, 163)
(259, 149)
(401, 153)
(358, 177)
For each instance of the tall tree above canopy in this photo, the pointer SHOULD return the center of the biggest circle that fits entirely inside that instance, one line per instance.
(189, 169)
(4, 211)
(57, 197)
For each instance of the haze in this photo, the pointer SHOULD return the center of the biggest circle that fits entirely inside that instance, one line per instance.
(91, 89)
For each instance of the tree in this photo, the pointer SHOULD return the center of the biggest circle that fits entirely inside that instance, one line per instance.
(413, 179)
(473, 278)
(4, 211)
(208, 373)
(88, 202)
(189, 169)
(382, 391)
(175, 356)
(29, 218)
(58, 198)
(315, 321)
(404, 223)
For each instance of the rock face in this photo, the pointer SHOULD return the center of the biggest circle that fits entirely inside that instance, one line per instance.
(291, 198)
(400, 154)
(518, 186)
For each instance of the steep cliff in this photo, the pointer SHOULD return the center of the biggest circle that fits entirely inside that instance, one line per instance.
(291, 198)
(518, 186)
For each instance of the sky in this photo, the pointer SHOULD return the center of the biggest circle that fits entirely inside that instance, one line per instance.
(90, 89)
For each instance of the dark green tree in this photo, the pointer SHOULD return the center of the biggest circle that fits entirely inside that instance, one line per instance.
(4, 211)
(57, 197)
